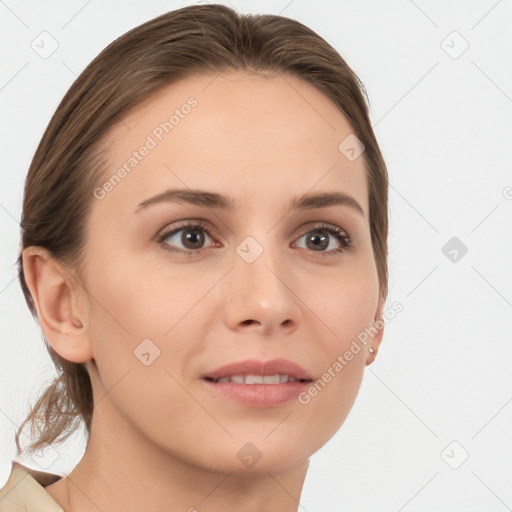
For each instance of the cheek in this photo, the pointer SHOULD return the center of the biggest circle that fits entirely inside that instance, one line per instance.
(140, 344)
(141, 312)
(345, 307)
(139, 300)
(346, 303)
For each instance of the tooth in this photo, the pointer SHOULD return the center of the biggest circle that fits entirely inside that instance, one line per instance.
(257, 379)
(253, 379)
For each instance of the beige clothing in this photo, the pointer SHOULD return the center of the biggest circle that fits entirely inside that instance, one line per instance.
(25, 492)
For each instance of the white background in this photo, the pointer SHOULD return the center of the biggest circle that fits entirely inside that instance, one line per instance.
(445, 127)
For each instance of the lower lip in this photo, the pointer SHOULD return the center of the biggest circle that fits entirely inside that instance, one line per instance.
(259, 395)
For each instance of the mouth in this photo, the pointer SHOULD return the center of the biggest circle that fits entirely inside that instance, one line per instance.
(259, 383)
(257, 379)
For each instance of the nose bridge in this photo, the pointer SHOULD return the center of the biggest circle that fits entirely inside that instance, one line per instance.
(261, 289)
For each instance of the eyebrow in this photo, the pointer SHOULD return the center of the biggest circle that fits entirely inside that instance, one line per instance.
(219, 202)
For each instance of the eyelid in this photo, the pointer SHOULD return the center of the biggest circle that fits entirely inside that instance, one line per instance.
(186, 223)
(310, 226)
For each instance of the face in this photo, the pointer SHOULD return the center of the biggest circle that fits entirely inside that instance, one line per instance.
(181, 284)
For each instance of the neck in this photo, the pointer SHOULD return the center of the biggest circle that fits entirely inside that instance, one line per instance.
(123, 470)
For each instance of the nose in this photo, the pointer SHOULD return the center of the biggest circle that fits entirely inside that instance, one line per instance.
(261, 296)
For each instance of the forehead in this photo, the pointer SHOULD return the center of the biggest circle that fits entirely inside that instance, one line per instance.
(238, 131)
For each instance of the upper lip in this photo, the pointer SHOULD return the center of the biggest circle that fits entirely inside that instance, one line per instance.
(255, 367)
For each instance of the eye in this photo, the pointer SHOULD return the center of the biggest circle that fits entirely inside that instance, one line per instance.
(326, 239)
(189, 238)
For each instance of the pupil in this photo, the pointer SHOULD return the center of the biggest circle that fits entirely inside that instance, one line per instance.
(193, 239)
(318, 241)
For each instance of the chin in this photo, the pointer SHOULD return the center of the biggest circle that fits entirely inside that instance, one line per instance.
(256, 454)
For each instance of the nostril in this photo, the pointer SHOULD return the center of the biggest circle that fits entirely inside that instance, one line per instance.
(249, 322)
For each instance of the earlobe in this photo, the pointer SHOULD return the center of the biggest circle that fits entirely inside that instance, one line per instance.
(55, 301)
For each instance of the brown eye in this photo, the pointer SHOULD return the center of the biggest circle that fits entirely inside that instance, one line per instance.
(317, 240)
(192, 238)
(327, 240)
(187, 238)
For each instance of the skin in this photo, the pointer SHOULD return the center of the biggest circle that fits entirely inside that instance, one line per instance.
(161, 440)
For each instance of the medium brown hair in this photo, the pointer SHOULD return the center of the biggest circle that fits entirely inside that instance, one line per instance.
(70, 159)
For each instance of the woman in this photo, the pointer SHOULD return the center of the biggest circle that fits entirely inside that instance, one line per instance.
(204, 244)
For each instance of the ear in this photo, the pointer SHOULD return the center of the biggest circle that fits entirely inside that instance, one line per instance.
(57, 299)
(378, 324)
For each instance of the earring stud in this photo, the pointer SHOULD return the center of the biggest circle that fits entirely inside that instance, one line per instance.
(371, 350)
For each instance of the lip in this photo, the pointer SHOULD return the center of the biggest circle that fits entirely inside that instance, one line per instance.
(255, 367)
(259, 395)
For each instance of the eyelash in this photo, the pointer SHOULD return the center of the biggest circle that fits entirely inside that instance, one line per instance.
(339, 234)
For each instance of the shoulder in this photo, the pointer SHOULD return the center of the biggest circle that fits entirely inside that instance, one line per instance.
(24, 491)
